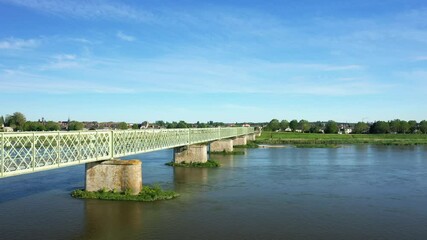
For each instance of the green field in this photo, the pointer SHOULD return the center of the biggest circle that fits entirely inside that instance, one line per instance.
(315, 138)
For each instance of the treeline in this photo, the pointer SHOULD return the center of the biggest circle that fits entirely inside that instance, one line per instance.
(378, 127)
(18, 122)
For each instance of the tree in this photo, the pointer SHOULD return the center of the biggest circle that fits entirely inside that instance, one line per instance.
(394, 125)
(284, 124)
(316, 127)
(52, 126)
(304, 125)
(182, 124)
(423, 126)
(135, 126)
(403, 127)
(273, 125)
(361, 127)
(1, 120)
(160, 123)
(413, 125)
(33, 126)
(331, 127)
(293, 125)
(379, 127)
(16, 120)
(74, 125)
(122, 126)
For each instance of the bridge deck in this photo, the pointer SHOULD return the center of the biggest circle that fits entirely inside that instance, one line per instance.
(28, 152)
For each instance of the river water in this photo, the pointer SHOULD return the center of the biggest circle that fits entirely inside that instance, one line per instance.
(353, 192)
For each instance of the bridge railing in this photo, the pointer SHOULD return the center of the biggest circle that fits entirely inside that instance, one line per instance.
(26, 152)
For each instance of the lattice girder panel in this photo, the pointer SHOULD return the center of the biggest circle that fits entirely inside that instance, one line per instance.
(46, 149)
(17, 152)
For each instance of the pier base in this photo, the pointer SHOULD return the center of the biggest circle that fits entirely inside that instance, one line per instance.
(118, 175)
(222, 145)
(191, 153)
(239, 141)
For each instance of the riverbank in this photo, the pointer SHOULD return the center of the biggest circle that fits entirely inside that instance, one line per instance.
(315, 139)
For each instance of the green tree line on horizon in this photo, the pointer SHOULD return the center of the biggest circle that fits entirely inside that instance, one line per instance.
(330, 127)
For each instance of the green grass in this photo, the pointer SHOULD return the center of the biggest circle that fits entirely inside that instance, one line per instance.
(229, 153)
(315, 138)
(148, 194)
(208, 164)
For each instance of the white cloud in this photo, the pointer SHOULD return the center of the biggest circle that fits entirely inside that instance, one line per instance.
(15, 43)
(125, 37)
(420, 58)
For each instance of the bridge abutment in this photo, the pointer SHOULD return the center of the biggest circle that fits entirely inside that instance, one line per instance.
(191, 153)
(222, 145)
(118, 175)
(239, 141)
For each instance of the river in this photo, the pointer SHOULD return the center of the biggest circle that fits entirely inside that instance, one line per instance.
(353, 192)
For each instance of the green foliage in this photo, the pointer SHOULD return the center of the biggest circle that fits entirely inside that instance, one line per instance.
(423, 126)
(273, 125)
(284, 124)
(74, 126)
(181, 124)
(413, 126)
(135, 126)
(160, 123)
(16, 120)
(293, 125)
(1, 120)
(380, 127)
(331, 127)
(360, 128)
(34, 126)
(315, 127)
(304, 125)
(52, 126)
(208, 164)
(122, 126)
(147, 194)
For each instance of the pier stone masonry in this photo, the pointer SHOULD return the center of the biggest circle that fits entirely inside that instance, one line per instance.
(239, 141)
(222, 145)
(251, 137)
(191, 153)
(118, 175)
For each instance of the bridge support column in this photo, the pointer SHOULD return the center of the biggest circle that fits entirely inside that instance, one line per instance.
(221, 145)
(239, 141)
(251, 137)
(118, 175)
(191, 153)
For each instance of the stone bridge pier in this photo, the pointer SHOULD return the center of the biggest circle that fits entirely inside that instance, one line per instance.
(191, 153)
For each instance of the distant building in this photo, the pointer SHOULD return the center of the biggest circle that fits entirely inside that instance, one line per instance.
(246, 125)
(7, 129)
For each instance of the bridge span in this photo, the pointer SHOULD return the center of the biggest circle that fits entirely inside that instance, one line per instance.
(28, 152)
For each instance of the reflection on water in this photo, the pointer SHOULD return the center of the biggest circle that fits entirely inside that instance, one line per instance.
(353, 192)
(106, 220)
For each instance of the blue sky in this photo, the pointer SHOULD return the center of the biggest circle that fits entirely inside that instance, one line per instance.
(214, 60)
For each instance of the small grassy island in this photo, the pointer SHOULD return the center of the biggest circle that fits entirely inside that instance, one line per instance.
(208, 164)
(147, 194)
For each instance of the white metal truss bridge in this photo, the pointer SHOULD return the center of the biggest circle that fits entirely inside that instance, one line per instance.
(27, 152)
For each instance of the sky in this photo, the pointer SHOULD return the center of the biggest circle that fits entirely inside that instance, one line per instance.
(228, 61)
